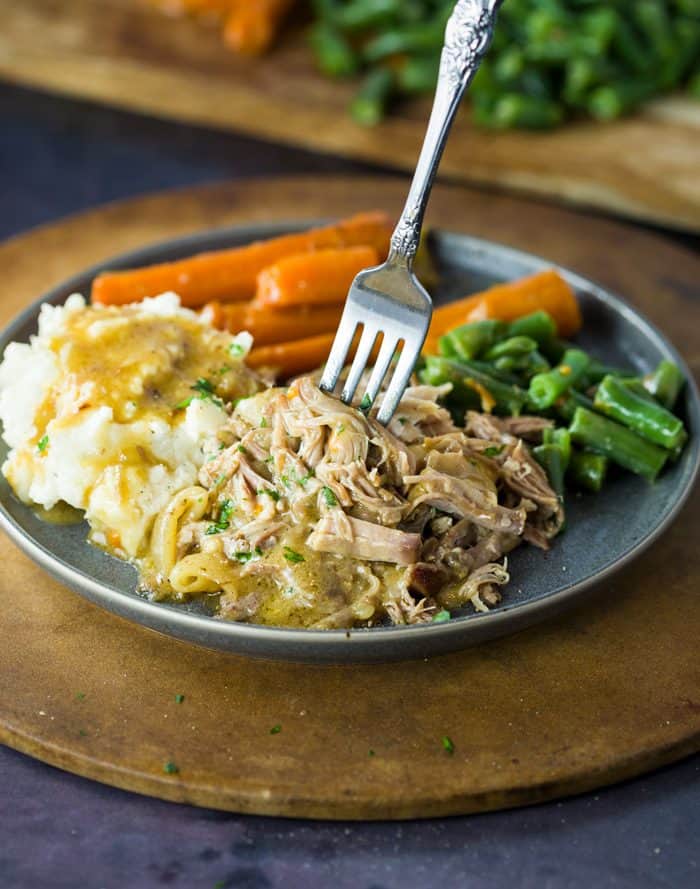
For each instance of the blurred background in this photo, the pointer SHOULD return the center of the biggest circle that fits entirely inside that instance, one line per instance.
(585, 102)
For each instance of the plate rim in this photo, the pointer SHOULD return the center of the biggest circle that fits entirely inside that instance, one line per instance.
(357, 644)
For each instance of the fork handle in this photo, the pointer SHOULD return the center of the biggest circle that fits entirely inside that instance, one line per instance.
(467, 36)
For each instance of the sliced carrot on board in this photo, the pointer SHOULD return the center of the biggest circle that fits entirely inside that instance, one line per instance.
(230, 275)
(320, 278)
(252, 25)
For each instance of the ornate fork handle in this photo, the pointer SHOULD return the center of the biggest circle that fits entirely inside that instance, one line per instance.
(467, 37)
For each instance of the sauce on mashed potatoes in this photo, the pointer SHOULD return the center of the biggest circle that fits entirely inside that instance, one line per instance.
(112, 410)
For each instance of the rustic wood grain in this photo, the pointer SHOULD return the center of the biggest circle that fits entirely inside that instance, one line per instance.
(600, 695)
(124, 53)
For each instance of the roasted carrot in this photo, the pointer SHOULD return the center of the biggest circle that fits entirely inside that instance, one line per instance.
(270, 326)
(230, 275)
(226, 316)
(546, 290)
(252, 26)
(320, 278)
(294, 357)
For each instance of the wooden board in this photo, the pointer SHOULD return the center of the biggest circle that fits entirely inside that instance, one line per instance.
(124, 53)
(594, 697)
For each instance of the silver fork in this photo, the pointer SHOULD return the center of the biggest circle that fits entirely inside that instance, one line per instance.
(388, 300)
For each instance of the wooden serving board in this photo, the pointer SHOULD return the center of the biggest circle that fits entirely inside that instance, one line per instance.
(599, 695)
(124, 53)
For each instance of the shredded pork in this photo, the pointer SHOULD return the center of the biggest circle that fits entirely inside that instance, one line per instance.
(333, 520)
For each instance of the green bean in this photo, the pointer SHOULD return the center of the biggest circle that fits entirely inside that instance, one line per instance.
(362, 14)
(471, 340)
(551, 459)
(514, 346)
(546, 388)
(612, 100)
(595, 372)
(334, 55)
(565, 406)
(618, 443)
(407, 39)
(527, 112)
(525, 366)
(588, 470)
(650, 420)
(539, 326)
(665, 383)
(368, 106)
(419, 73)
(560, 437)
(472, 387)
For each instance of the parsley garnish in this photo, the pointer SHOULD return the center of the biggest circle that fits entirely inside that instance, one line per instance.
(242, 449)
(225, 369)
(179, 699)
(170, 768)
(341, 428)
(441, 616)
(80, 696)
(247, 556)
(365, 404)
(236, 349)
(205, 387)
(219, 480)
(371, 753)
(224, 520)
(447, 744)
(271, 493)
(276, 729)
(263, 423)
(292, 555)
(493, 451)
(42, 444)
(205, 390)
(329, 496)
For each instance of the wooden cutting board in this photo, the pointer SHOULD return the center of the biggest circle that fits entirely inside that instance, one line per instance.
(124, 53)
(599, 695)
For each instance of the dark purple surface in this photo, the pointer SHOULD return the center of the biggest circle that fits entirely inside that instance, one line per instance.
(58, 831)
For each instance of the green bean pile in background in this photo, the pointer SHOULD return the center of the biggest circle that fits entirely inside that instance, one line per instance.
(601, 414)
(550, 61)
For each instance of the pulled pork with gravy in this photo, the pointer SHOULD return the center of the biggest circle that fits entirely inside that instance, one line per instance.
(314, 515)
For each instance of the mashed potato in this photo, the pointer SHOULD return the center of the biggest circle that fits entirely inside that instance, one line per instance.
(114, 409)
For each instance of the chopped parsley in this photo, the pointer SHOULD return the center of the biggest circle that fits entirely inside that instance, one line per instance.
(179, 699)
(329, 496)
(441, 616)
(263, 423)
(42, 444)
(242, 449)
(80, 696)
(205, 392)
(236, 349)
(341, 428)
(170, 768)
(219, 480)
(292, 555)
(244, 557)
(276, 729)
(225, 369)
(493, 451)
(448, 744)
(224, 520)
(371, 752)
(271, 493)
(365, 404)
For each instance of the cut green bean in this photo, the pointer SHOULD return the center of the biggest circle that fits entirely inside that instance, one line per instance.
(587, 470)
(617, 443)
(471, 340)
(539, 326)
(648, 419)
(551, 459)
(334, 55)
(565, 406)
(546, 388)
(369, 105)
(472, 388)
(514, 346)
(665, 383)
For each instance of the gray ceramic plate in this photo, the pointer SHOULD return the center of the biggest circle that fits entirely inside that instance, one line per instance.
(604, 532)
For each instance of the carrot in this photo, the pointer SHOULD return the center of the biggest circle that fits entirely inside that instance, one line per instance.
(252, 26)
(230, 275)
(269, 326)
(546, 290)
(226, 316)
(293, 357)
(319, 278)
